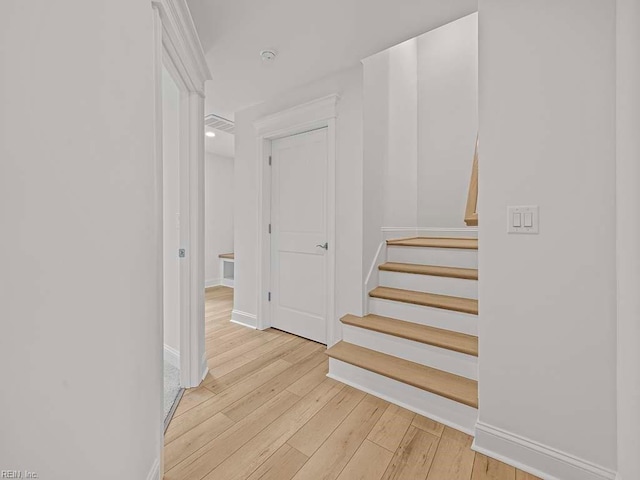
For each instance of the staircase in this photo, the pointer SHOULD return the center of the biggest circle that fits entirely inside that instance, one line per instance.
(418, 346)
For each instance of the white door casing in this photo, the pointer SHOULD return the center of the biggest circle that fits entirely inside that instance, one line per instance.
(298, 234)
(177, 47)
(315, 114)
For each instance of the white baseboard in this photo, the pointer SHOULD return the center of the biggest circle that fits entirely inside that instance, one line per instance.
(540, 460)
(389, 233)
(214, 282)
(172, 355)
(154, 473)
(245, 319)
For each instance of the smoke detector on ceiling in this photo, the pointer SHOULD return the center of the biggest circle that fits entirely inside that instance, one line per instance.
(268, 55)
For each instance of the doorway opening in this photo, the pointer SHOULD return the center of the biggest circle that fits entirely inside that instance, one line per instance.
(179, 71)
(171, 242)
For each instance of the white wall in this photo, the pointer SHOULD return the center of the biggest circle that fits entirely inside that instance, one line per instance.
(548, 301)
(420, 126)
(219, 183)
(375, 108)
(171, 210)
(628, 236)
(348, 84)
(447, 120)
(390, 99)
(80, 297)
(400, 181)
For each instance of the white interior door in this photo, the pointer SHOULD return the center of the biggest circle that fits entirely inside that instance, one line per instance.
(298, 234)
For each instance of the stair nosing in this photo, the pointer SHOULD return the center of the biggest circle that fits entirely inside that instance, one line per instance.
(438, 271)
(446, 346)
(390, 360)
(426, 303)
(410, 242)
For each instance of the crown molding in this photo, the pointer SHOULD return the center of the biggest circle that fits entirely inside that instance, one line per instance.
(180, 38)
(320, 109)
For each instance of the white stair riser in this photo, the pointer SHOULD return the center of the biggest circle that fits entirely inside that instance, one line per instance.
(451, 413)
(434, 317)
(458, 287)
(442, 257)
(424, 354)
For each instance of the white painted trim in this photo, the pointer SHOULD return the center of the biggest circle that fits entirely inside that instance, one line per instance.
(317, 113)
(535, 458)
(214, 282)
(172, 355)
(451, 413)
(154, 473)
(389, 233)
(627, 237)
(180, 40)
(245, 319)
(299, 118)
(159, 200)
(373, 277)
(177, 46)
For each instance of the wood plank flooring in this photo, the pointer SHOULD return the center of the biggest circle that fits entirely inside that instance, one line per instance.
(267, 411)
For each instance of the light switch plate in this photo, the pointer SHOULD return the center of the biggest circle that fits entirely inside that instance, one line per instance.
(518, 213)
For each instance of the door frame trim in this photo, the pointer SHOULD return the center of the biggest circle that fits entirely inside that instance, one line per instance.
(177, 47)
(319, 113)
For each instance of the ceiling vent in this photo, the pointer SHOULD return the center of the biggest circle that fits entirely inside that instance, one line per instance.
(219, 123)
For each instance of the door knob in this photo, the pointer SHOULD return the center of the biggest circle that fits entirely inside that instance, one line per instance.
(325, 246)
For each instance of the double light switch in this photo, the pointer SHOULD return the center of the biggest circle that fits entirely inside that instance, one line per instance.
(522, 219)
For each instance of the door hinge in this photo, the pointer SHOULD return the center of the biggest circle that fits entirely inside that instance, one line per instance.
(269, 296)
(269, 160)
(269, 228)
(182, 253)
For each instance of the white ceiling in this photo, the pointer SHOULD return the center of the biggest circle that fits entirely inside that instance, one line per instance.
(313, 38)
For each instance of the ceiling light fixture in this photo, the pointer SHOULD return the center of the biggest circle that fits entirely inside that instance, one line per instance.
(210, 134)
(268, 55)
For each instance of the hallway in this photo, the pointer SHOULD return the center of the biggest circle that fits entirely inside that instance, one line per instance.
(266, 410)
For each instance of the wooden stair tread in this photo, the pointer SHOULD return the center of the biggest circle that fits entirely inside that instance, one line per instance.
(452, 272)
(230, 256)
(448, 385)
(436, 242)
(438, 337)
(458, 304)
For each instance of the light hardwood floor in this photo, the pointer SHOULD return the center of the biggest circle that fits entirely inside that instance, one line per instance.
(267, 411)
